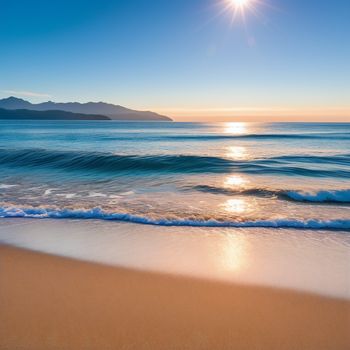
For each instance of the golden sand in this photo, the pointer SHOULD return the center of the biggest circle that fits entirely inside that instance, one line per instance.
(49, 302)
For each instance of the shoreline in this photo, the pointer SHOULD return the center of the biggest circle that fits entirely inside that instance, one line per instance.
(51, 302)
(311, 262)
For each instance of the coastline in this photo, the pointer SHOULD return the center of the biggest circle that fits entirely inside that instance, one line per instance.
(314, 262)
(50, 302)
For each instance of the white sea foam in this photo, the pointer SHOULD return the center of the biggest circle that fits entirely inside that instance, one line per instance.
(341, 196)
(96, 195)
(129, 193)
(5, 186)
(100, 214)
(67, 195)
(49, 191)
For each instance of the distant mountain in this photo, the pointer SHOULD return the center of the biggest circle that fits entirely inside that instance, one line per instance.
(26, 114)
(114, 112)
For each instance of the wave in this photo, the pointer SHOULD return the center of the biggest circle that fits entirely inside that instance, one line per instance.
(331, 196)
(109, 162)
(336, 196)
(208, 137)
(5, 186)
(338, 159)
(99, 214)
(112, 163)
(200, 137)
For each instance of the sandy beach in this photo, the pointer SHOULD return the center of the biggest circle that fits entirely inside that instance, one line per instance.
(175, 175)
(50, 302)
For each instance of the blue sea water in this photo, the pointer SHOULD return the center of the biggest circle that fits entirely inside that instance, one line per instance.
(278, 175)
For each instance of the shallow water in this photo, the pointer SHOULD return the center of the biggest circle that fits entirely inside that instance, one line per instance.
(279, 175)
(312, 261)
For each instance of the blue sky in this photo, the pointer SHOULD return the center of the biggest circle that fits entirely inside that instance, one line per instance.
(184, 58)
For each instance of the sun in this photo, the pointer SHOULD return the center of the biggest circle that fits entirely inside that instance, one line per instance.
(240, 9)
(240, 4)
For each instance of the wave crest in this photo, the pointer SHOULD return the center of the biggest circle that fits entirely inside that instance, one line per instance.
(336, 196)
(322, 196)
(208, 137)
(113, 163)
(100, 214)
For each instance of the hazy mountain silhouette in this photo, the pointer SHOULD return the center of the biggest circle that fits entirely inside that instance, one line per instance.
(114, 112)
(27, 114)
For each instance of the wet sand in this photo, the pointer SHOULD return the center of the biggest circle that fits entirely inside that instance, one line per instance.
(49, 302)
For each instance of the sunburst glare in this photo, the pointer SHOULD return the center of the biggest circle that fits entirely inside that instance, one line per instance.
(237, 206)
(233, 253)
(236, 128)
(240, 4)
(235, 181)
(237, 153)
(239, 8)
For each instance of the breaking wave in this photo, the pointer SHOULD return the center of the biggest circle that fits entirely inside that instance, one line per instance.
(100, 214)
(336, 196)
(331, 196)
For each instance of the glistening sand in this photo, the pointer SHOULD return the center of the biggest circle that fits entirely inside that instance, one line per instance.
(54, 303)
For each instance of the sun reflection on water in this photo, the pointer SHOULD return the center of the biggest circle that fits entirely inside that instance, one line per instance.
(236, 206)
(237, 153)
(236, 128)
(235, 181)
(233, 254)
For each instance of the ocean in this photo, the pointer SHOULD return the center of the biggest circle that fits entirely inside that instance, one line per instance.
(261, 204)
(279, 175)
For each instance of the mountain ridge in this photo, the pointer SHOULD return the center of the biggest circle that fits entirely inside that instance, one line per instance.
(27, 114)
(114, 112)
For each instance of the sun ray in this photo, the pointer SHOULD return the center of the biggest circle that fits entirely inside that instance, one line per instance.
(240, 8)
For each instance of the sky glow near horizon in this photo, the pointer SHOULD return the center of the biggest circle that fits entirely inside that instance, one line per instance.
(210, 60)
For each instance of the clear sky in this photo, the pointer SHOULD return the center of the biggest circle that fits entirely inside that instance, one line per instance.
(289, 59)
